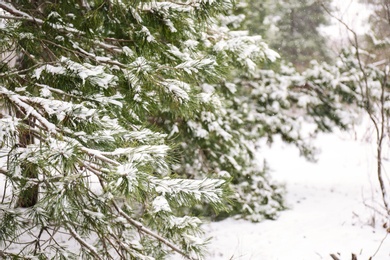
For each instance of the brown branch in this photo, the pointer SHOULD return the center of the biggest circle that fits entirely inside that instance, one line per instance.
(3, 171)
(334, 257)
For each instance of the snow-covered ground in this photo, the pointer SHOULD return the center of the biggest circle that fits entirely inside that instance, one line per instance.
(326, 207)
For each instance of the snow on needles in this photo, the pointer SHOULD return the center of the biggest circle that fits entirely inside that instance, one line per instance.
(95, 74)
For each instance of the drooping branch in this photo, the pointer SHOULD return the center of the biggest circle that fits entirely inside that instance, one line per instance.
(12, 10)
(131, 221)
(28, 110)
(82, 242)
(19, 18)
(19, 15)
(149, 232)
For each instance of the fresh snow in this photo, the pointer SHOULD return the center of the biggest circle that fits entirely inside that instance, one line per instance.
(161, 204)
(326, 206)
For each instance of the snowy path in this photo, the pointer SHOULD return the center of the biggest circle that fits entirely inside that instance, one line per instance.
(326, 212)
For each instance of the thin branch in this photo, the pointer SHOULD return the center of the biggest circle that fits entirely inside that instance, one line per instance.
(96, 169)
(380, 143)
(97, 154)
(51, 237)
(12, 10)
(117, 40)
(380, 245)
(355, 40)
(19, 15)
(100, 60)
(15, 72)
(3, 171)
(149, 232)
(105, 239)
(5, 255)
(143, 229)
(28, 109)
(38, 240)
(61, 92)
(8, 58)
(374, 209)
(82, 242)
(8, 17)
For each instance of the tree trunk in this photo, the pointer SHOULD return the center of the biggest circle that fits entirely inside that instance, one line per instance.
(28, 197)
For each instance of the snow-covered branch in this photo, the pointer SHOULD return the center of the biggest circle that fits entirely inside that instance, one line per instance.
(19, 15)
(27, 109)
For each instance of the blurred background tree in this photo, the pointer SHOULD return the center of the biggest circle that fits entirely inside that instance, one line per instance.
(291, 27)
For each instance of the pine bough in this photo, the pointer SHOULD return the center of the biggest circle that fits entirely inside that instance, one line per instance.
(121, 120)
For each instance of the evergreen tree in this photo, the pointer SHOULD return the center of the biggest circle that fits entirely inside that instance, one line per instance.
(113, 116)
(257, 103)
(261, 104)
(256, 14)
(293, 30)
(116, 117)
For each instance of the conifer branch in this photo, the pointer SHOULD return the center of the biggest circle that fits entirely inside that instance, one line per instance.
(97, 154)
(91, 108)
(19, 15)
(28, 110)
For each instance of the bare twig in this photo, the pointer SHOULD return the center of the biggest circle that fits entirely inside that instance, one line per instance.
(380, 245)
(374, 209)
(365, 92)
